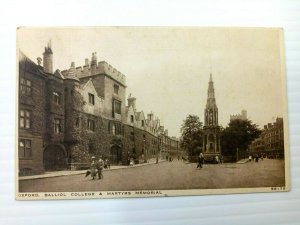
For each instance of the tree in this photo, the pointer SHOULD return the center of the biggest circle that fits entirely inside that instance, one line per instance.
(238, 135)
(191, 136)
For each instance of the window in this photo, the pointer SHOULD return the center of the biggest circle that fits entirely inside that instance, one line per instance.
(116, 89)
(25, 119)
(57, 126)
(25, 87)
(113, 129)
(143, 123)
(118, 129)
(117, 107)
(25, 149)
(131, 119)
(109, 131)
(56, 97)
(91, 125)
(77, 122)
(91, 99)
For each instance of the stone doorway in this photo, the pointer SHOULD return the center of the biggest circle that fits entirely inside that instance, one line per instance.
(55, 158)
(115, 154)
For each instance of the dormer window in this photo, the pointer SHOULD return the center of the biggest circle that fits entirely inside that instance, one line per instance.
(91, 99)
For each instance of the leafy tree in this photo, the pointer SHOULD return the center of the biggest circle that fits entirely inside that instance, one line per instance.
(238, 135)
(191, 136)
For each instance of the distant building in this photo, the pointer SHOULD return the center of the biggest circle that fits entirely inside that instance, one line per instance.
(211, 128)
(271, 141)
(66, 117)
(242, 116)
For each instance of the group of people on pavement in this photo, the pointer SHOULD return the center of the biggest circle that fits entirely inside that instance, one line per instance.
(201, 160)
(256, 157)
(97, 167)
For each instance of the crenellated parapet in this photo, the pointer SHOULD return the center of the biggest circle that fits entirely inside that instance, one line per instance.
(95, 68)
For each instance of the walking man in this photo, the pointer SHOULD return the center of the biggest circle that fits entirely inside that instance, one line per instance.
(100, 165)
(200, 160)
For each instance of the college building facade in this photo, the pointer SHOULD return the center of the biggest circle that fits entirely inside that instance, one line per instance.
(66, 117)
(271, 140)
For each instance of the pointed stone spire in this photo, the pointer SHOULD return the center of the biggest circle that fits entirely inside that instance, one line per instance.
(211, 111)
(210, 91)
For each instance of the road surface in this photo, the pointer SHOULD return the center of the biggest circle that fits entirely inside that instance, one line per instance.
(168, 176)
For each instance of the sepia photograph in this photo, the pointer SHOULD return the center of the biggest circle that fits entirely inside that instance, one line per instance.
(117, 112)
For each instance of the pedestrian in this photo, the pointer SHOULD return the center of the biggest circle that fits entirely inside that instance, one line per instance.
(128, 160)
(221, 159)
(93, 169)
(131, 163)
(100, 165)
(256, 157)
(217, 159)
(107, 163)
(200, 161)
(250, 158)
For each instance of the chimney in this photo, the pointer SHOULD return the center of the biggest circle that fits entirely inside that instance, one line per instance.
(48, 59)
(86, 62)
(94, 59)
(269, 125)
(166, 132)
(150, 116)
(131, 102)
(72, 71)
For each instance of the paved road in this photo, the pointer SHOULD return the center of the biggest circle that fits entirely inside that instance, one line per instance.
(168, 176)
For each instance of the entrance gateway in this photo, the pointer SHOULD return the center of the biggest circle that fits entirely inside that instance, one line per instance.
(55, 157)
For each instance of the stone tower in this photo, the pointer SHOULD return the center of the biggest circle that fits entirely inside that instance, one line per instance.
(48, 59)
(211, 129)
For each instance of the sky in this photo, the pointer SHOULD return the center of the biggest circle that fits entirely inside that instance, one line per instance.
(167, 69)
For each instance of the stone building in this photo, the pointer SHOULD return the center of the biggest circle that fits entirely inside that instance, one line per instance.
(271, 140)
(241, 116)
(65, 117)
(211, 128)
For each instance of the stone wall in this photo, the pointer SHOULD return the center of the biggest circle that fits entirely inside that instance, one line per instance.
(35, 103)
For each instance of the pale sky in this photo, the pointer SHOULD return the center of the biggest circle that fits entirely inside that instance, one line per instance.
(167, 69)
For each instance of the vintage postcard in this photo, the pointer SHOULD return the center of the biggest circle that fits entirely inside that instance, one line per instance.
(106, 112)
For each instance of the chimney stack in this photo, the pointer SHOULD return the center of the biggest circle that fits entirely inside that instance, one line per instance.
(150, 116)
(48, 59)
(131, 102)
(94, 59)
(86, 62)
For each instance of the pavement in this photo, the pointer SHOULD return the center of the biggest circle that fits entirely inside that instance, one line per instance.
(76, 172)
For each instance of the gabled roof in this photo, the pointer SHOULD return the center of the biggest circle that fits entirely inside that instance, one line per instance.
(27, 64)
(89, 83)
